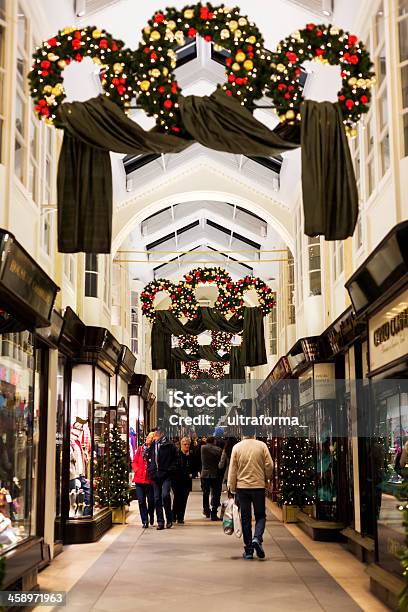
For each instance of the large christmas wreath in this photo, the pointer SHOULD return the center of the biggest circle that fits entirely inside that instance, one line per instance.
(159, 92)
(149, 292)
(74, 44)
(265, 294)
(226, 301)
(330, 45)
(215, 371)
(221, 341)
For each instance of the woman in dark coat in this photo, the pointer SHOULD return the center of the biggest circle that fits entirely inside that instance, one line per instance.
(182, 480)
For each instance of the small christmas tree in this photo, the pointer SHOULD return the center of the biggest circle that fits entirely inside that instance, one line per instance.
(102, 493)
(296, 473)
(118, 470)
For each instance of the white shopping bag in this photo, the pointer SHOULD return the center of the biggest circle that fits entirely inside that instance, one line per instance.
(227, 516)
(237, 520)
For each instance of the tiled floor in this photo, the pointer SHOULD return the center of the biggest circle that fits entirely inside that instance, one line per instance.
(196, 566)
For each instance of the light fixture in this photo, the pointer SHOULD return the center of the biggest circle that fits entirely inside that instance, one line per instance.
(80, 8)
(327, 7)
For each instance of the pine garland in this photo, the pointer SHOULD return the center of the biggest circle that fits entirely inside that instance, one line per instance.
(118, 471)
(296, 473)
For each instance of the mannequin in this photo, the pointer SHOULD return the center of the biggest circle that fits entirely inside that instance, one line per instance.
(80, 491)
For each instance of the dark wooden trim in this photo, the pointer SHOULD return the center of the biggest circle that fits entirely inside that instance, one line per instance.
(84, 530)
(321, 531)
(42, 442)
(384, 585)
(22, 559)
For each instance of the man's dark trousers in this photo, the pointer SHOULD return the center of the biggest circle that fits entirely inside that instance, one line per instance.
(162, 498)
(246, 498)
(213, 486)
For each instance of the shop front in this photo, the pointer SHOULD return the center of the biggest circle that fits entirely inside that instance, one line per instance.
(87, 515)
(119, 409)
(27, 297)
(275, 400)
(139, 413)
(379, 291)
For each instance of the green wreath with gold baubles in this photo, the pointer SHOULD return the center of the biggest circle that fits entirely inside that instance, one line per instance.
(226, 302)
(158, 91)
(330, 45)
(73, 45)
(265, 294)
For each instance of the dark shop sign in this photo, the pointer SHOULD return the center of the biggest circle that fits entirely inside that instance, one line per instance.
(388, 333)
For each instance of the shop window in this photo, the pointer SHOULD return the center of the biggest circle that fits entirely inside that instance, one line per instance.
(338, 259)
(91, 275)
(69, 268)
(21, 100)
(315, 277)
(291, 289)
(33, 171)
(403, 45)
(107, 285)
(299, 256)
(380, 24)
(134, 319)
(46, 228)
(18, 437)
(273, 332)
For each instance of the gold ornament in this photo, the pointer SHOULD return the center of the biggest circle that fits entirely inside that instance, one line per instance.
(248, 65)
(118, 68)
(225, 34)
(237, 34)
(155, 73)
(282, 118)
(171, 25)
(240, 57)
(145, 85)
(179, 36)
(47, 89)
(280, 68)
(57, 90)
(352, 81)
(147, 30)
(242, 21)
(233, 25)
(296, 35)
(62, 64)
(52, 57)
(251, 40)
(290, 114)
(155, 35)
(50, 100)
(96, 60)
(68, 30)
(189, 14)
(334, 31)
(361, 82)
(236, 67)
(165, 71)
(96, 34)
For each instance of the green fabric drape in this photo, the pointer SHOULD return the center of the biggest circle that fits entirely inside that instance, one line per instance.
(252, 350)
(95, 127)
(237, 370)
(327, 173)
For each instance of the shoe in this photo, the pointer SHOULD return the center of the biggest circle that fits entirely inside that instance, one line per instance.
(206, 514)
(181, 522)
(151, 520)
(258, 548)
(160, 527)
(145, 525)
(248, 556)
(169, 525)
(215, 518)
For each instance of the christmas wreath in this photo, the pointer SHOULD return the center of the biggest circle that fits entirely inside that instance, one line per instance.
(221, 341)
(226, 302)
(188, 343)
(215, 371)
(330, 45)
(158, 91)
(74, 44)
(265, 294)
(148, 294)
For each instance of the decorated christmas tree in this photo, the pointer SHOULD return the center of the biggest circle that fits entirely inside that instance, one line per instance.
(102, 493)
(403, 507)
(118, 470)
(296, 473)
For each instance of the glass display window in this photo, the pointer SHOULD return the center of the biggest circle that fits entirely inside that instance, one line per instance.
(18, 433)
(89, 431)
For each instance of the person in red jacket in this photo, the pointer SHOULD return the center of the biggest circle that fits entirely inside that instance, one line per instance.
(144, 488)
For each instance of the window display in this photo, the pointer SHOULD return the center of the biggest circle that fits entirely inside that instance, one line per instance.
(17, 433)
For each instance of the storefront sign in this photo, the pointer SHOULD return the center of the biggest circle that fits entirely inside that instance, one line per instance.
(23, 279)
(318, 383)
(388, 333)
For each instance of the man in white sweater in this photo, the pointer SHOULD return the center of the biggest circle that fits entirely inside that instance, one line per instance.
(249, 470)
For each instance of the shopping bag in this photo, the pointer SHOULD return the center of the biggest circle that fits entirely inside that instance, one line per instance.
(227, 516)
(236, 520)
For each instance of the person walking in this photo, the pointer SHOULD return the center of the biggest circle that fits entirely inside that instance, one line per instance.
(225, 458)
(211, 480)
(249, 470)
(182, 480)
(144, 486)
(161, 463)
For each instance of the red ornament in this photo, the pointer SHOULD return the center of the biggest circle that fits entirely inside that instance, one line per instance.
(174, 87)
(352, 40)
(45, 72)
(103, 43)
(168, 104)
(282, 87)
(240, 81)
(349, 104)
(179, 289)
(121, 89)
(208, 38)
(354, 59)
(175, 129)
(364, 99)
(153, 56)
(231, 78)
(76, 44)
(319, 33)
(228, 61)
(298, 72)
(287, 96)
(77, 35)
(342, 98)
(78, 57)
(311, 26)
(146, 50)
(159, 18)
(161, 89)
(52, 42)
(320, 52)
(114, 46)
(292, 57)
(191, 32)
(45, 64)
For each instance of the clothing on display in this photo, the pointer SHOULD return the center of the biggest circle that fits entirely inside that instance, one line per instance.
(79, 485)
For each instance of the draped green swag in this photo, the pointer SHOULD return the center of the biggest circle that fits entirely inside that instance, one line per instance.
(94, 128)
(252, 351)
